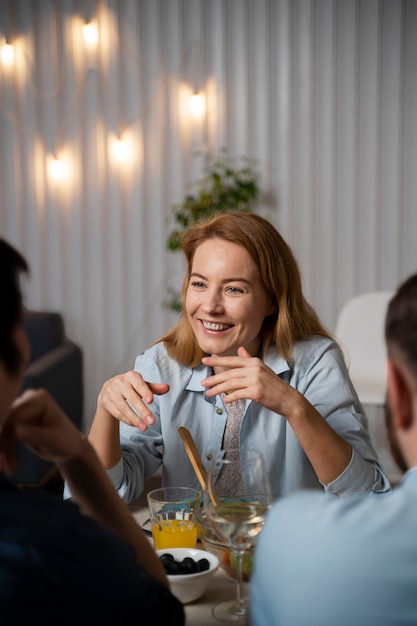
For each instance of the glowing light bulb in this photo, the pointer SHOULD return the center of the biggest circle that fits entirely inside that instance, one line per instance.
(7, 54)
(90, 33)
(121, 150)
(197, 104)
(56, 169)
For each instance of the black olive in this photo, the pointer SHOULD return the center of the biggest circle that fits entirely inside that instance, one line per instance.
(172, 567)
(187, 566)
(203, 565)
(166, 557)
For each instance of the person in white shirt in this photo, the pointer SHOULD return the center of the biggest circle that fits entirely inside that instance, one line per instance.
(322, 560)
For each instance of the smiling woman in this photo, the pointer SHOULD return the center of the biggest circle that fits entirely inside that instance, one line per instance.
(245, 333)
(226, 302)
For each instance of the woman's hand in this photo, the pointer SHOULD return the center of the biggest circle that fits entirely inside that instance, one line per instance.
(126, 397)
(248, 377)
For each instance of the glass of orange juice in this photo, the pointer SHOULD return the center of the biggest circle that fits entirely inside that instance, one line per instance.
(172, 513)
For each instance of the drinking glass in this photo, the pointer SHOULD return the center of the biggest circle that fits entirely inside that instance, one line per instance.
(172, 514)
(236, 500)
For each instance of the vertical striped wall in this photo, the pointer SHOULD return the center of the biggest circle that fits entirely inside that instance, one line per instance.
(322, 93)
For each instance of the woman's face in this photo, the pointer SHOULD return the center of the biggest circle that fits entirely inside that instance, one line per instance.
(225, 301)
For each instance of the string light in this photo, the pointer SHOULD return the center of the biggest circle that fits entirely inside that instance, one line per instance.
(7, 54)
(122, 149)
(197, 104)
(90, 33)
(57, 169)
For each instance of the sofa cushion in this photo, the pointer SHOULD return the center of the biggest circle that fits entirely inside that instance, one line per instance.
(45, 331)
(56, 364)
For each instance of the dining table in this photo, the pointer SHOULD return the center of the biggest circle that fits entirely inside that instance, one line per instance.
(222, 586)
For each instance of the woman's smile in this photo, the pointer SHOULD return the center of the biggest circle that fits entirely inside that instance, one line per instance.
(215, 326)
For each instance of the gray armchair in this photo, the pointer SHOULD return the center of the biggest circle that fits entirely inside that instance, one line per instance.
(56, 364)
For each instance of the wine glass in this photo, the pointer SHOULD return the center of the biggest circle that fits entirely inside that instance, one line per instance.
(236, 500)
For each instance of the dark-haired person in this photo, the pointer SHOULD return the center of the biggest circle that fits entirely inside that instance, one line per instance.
(247, 344)
(67, 563)
(322, 560)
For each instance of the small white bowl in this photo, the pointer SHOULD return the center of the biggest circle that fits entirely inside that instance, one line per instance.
(190, 587)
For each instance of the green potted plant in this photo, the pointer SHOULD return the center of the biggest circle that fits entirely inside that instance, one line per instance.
(222, 189)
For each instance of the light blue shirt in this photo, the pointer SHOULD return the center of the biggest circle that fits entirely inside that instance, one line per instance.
(327, 561)
(316, 368)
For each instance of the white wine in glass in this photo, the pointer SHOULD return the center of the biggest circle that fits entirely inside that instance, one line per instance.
(236, 500)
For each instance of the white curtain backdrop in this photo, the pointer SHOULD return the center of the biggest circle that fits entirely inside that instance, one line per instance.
(322, 93)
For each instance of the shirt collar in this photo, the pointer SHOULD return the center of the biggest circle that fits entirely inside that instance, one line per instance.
(275, 361)
(198, 374)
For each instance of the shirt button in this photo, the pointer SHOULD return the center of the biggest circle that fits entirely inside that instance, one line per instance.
(209, 456)
(219, 411)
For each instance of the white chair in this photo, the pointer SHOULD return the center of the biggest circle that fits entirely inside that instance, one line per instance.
(360, 331)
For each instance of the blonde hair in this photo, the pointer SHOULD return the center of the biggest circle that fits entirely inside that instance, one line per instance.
(294, 318)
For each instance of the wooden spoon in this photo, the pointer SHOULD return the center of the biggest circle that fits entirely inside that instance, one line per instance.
(193, 455)
(196, 461)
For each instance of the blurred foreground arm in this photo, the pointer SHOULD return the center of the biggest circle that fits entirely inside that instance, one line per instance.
(39, 423)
